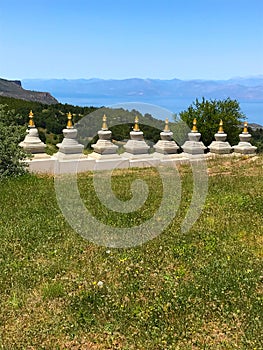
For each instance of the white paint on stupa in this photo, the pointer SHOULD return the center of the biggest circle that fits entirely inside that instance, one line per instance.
(193, 147)
(136, 145)
(137, 150)
(70, 158)
(220, 145)
(105, 152)
(166, 149)
(69, 148)
(32, 143)
(166, 145)
(244, 146)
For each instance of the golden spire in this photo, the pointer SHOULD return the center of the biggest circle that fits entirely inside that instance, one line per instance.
(69, 123)
(166, 128)
(104, 124)
(31, 123)
(221, 130)
(194, 128)
(136, 126)
(245, 127)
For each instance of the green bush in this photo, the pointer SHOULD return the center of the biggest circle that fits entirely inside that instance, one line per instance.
(208, 114)
(257, 138)
(11, 155)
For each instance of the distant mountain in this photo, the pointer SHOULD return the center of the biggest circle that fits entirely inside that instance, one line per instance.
(255, 126)
(248, 89)
(13, 88)
(248, 81)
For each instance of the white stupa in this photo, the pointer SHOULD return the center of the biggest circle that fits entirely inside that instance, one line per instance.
(166, 146)
(194, 147)
(220, 145)
(244, 146)
(166, 149)
(137, 150)
(104, 148)
(136, 146)
(105, 152)
(69, 148)
(32, 143)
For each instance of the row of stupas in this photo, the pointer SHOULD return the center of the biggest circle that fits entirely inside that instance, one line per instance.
(137, 152)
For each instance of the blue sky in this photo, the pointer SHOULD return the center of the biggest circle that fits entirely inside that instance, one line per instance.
(186, 39)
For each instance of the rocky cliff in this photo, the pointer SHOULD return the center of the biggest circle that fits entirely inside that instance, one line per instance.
(14, 89)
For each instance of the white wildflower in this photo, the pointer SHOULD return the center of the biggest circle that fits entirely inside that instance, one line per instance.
(100, 284)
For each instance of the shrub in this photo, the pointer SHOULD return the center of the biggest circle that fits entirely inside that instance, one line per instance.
(11, 155)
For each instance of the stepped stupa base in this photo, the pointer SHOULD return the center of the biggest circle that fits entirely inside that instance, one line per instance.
(136, 147)
(105, 152)
(192, 148)
(137, 150)
(104, 145)
(69, 148)
(32, 143)
(245, 148)
(166, 147)
(220, 147)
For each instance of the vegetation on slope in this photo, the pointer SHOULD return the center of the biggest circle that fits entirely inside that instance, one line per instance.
(11, 134)
(52, 119)
(13, 89)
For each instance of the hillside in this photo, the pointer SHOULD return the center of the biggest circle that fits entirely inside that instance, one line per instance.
(255, 126)
(52, 119)
(14, 89)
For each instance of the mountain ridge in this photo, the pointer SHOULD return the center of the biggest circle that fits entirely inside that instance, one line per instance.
(237, 88)
(13, 88)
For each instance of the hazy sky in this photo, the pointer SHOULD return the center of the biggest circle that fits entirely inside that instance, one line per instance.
(209, 39)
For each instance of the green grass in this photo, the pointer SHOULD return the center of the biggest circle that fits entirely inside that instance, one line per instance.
(198, 290)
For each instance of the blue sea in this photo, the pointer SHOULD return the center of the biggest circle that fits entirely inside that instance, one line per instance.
(160, 108)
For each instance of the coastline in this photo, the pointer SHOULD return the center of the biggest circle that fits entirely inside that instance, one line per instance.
(253, 110)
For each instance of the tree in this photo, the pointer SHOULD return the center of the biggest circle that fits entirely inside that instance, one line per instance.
(208, 114)
(257, 138)
(11, 155)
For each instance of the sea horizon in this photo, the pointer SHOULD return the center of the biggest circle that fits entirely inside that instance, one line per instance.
(253, 110)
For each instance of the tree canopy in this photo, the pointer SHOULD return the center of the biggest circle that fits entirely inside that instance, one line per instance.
(208, 114)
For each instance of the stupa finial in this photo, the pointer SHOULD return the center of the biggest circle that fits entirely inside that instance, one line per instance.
(166, 127)
(69, 123)
(221, 130)
(136, 124)
(104, 123)
(245, 130)
(31, 123)
(194, 128)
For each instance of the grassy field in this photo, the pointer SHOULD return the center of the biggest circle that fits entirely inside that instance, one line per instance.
(198, 290)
